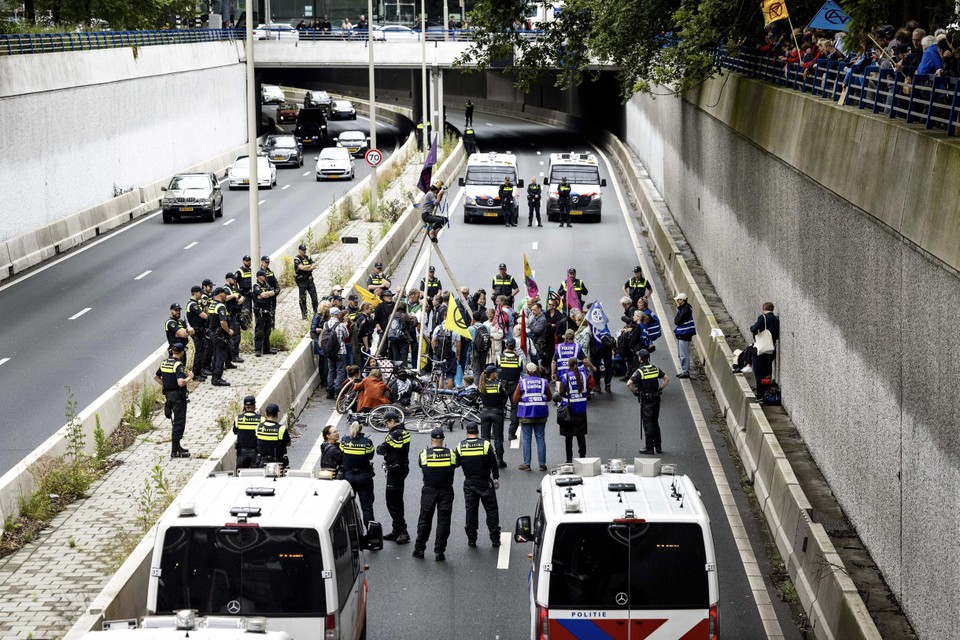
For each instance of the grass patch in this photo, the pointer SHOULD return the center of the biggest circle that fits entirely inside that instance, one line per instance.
(287, 274)
(279, 339)
(142, 405)
(225, 420)
(153, 499)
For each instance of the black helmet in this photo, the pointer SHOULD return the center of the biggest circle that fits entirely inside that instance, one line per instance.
(402, 373)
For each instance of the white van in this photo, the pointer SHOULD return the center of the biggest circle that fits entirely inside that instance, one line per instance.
(288, 549)
(620, 551)
(582, 172)
(484, 175)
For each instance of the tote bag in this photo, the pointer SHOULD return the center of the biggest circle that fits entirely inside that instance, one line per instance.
(764, 340)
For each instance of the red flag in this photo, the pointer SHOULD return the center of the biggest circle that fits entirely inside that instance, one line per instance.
(573, 300)
(523, 332)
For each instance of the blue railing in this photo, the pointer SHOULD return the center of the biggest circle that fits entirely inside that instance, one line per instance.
(25, 43)
(932, 101)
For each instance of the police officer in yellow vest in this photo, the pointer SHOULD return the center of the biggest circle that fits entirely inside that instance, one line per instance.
(563, 201)
(481, 480)
(219, 332)
(245, 428)
(244, 277)
(378, 279)
(637, 287)
(579, 288)
(470, 140)
(420, 135)
(646, 383)
(504, 285)
(357, 466)
(510, 366)
(508, 203)
(272, 437)
(173, 375)
(438, 464)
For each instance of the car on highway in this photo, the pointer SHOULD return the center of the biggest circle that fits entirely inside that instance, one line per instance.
(276, 31)
(309, 133)
(341, 110)
(287, 112)
(283, 149)
(395, 33)
(356, 142)
(270, 93)
(319, 99)
(192, 195)
(238, 176)
(335, 163)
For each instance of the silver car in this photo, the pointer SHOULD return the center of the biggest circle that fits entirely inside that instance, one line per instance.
(283, 149)
(192, 195)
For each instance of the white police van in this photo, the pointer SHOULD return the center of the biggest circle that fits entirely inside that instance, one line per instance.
(288, 549)
(582, 172)
(482, 179)
(622, 552)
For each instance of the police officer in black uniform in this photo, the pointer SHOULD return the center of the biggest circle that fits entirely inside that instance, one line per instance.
(175, 328)
(272, 437)
(534, 194)
(173, 375)
(470, 140)
(395, 450)
(420, 133)
(358, 452)
(468, 112)
(378, 279)
(431, 286)
(245, 428)
(646, 383)
(563, 201)
(493, 399)
(304, 266)
(504, 285)
(438, 464)
(637, 286)
(507, 203)
(481, 480)
(510, 367)
(244, 276)
(274, 284)
(234, 302)
(218, 326)
(197, 317)
(263, 295)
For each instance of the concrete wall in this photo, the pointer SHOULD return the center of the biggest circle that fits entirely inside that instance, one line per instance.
(765, 185)
(74, 125)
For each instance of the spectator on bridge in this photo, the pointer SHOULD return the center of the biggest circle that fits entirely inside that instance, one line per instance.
(325, 25)
(362, 22)
(930, 62)
(346, 25)
(948, 53)
(912, 59)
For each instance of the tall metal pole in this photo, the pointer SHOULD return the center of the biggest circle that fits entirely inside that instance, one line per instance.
(373, 103)
(423, 73)
(252, 120)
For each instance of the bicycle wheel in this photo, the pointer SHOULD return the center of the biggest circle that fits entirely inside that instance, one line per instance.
(426, 424)
(375, 417)
(468, 416)
(432, 402)
(346, 399)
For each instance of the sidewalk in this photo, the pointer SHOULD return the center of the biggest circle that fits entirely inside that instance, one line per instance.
(45, 586)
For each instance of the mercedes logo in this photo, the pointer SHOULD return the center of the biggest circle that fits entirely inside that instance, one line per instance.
(622, 598)
(490, 202)
(234, 605)
(575, 199)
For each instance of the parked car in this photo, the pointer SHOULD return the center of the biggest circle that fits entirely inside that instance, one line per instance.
(395, 33)
(316, 99)
(341, 110)
(356, 142)
(270, 93)
(287, 112)
(276, 31)
(283, 149)
(335, 163)
(192, 195)
(239, 175)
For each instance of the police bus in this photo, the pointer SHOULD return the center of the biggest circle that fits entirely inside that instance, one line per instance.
(288, 549)
(482, 180)
(620, 551)
(582, 172)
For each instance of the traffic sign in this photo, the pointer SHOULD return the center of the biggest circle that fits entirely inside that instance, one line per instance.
(373, 157)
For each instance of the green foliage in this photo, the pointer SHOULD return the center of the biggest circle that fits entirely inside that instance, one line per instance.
(140, 411)
(279, 339)
(287, 275)
(75, 436)
(371, 240)
(119, 15)
(101, 442)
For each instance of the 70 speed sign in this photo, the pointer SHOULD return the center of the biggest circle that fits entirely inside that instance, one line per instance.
(373, 157)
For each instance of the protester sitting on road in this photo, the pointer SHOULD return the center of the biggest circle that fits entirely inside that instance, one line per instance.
(371, 392)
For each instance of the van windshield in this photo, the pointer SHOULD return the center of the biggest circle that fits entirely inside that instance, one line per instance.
(490, 175)
(243, 571)
(659, 565)
(575, 174)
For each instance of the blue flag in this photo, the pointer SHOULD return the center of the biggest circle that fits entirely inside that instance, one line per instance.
(427, 172)
(598, 320)
(830, 18)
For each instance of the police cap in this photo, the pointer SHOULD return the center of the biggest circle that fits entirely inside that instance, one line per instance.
(246, 258)
(175, 306)
(207, 282)
(196, 289)
(571, 270)
(230, 276)
(261, 272)
(218, 291)
(249, 401)
(510, 343)
(638, 269)
(643, 354)
(433, 269)
(391, 415)
(264, 258)
(386, 293)
(302, 247)
(177, 347)
(353, 296)
(503, 266)
(272, 409)
(437, 433)
(490, 368)
(472, 427)
(378, 265)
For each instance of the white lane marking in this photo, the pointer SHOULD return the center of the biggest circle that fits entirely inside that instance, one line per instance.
(536, 245)
(489, 124)
(286, 186)
(3, 360)
(261, 202)
(771, 625)
(77, 315)
(538, 153)
(230, 221)
(541, 163)
(191, 245)
(144, 274)
(306, 173)
(503, 558)
(541, 173)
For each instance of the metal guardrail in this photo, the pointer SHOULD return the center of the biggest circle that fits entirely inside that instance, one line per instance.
(27, 43)
(413, 35)
(929, 99)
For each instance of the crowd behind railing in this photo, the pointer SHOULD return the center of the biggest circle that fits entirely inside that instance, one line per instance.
(901, 73)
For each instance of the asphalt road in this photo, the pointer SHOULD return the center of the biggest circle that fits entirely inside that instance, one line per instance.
(88, 318)
(468, 596)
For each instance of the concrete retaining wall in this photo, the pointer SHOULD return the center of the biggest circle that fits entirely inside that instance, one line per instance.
(820, 210)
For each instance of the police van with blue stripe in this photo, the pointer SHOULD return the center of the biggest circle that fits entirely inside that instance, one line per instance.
(482, 179)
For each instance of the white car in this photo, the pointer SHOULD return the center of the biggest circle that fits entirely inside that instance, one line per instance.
(276, 31)
(335, 163)
(272, 93)
(395, 33)
(356, 142)
(239, 175)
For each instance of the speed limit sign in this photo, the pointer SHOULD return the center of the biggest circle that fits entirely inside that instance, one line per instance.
(373, 157)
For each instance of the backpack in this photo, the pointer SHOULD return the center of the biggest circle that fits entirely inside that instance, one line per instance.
(444, 344)
(395, 332)
(481, 340)
(329, 342)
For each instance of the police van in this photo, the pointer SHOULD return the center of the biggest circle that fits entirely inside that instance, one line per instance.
(289, 549)
(622, 552)
(582, 172)
(482, 179)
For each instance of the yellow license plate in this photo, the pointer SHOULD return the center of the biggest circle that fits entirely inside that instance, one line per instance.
(246, 182)
(576, 212)
(279, 158)
(491, 214)
(186, 208)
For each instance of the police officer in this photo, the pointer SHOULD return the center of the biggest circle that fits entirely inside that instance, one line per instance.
(563, 201)
(234, 302)
(244, 276)
(173, 375)
(304, 266)
(504, 285)
(481, 480)
(206, 291)
(420, 135)
(507, 203)
(395, 450)
(175, 328)
(578, 287)
(197, 317)
(637, 286)
(263, 294)
(272, 437)
(438, 464)
(470, 140)
(493, 398)
(510, 366)
(647, 382)
(353, 309)
(274, 284)
(358, 451)
(534, 193)
(431, 285)
(378, 279)
(468, 112)
(245, 428)
(218, 326)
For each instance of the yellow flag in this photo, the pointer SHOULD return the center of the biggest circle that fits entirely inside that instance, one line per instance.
(773, 10)
(455, 321)
(366, 296)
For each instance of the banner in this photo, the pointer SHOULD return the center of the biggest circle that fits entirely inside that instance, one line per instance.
(455, 321)
(523, 333)
(773, 10)
(532, 289)
(427, 172)
(367, 296)
(830, 18)
(598, 320)
(572, 301)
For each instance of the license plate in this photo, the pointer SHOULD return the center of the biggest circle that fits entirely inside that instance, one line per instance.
(186, 208)
(333, 177)
(576, 212)
(246, 182)
(279, 158)
(491, 214)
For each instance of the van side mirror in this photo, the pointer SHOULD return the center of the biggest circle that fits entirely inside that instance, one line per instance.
(524, 530)
(520, 183)
(374, 538)
(163, 188)
(546, 181)
(462, 182)
(603, 182)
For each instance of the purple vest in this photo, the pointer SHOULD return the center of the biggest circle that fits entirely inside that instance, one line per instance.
(533, 399)
(563, 353)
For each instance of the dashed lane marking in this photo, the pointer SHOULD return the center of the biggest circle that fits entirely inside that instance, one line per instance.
(536, 245)
(77, 315)
(230, 221)
(4, 360)
(144, 274)
(261, 202)
(306, 173)
(286, 186)
(191, 245)
(541, 163)
(503, 558)
(538, 153)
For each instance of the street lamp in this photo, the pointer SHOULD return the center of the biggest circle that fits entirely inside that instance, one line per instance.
(373, 103)
(252, 149)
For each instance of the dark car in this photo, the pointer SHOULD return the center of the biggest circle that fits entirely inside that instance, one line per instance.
(192, 195)
(319, 99)
(283, 150)
(309, 133)
(341, 110)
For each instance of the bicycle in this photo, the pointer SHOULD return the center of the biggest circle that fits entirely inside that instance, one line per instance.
(458, 415)
(375, 417)
(347, 397)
